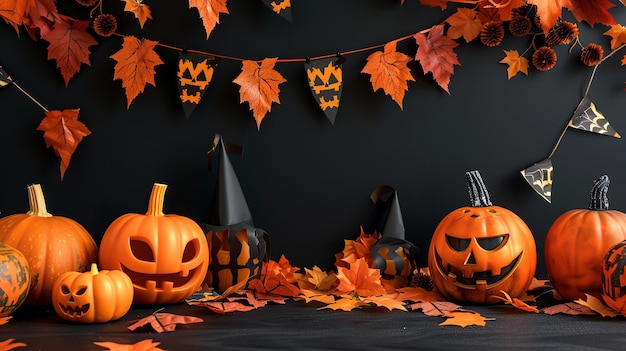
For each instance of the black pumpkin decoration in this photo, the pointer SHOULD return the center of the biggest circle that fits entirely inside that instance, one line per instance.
(392, 254)
(237, 249)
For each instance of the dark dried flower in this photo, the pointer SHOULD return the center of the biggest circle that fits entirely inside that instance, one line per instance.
(492, 33)
(520, 26)
(105, 25)
(544, 58)
(563, 33)
(521, 11)
(592, 54)
(422, 280)
(87, 3)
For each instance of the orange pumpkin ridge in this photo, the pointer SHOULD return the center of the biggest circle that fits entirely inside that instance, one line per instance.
(52, 245)
(477, 252)
(577, 242)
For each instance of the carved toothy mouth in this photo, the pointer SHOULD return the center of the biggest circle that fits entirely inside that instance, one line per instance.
(477, 278)
(74, 311)
(163, 282)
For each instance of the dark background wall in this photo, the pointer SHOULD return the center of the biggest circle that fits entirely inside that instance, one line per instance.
(308, 182)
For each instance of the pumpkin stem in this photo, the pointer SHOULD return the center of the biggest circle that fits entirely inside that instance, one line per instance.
(599, 199)
(478, 194)
(155, 206)
(94, 269)
(37, 202)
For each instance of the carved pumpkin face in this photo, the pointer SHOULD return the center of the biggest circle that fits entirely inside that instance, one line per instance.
(165, 255)
(477, 251)
(237, 253)
(614, 278)
(92, 297)
(195, 72)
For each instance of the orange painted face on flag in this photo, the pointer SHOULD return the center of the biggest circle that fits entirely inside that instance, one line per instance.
(195, 72)
(325, 79)
(280, 7)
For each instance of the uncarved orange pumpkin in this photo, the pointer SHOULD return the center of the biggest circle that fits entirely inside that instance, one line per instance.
(166, 256)
(480, 250)
(52, 245)
(577, 242)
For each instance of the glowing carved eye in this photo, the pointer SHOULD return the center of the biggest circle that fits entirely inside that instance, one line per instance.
(141, 250)
(457, 244)
(493, 243)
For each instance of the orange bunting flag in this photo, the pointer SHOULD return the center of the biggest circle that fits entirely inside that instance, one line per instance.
(539, 177)
(258, 84)
(280, 7)
(588, 118)
(195, 72)
(325, 79)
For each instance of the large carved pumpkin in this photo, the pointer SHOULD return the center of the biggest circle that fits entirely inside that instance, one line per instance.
(52, 245)
(165, 255)
(577, 242)
(482, 249)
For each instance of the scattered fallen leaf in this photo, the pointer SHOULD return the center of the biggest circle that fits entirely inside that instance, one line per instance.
(596, 305)
(315, 295)
(63, 132)
(515, 62)
(465, 318)
(388, 71)
(536, 284)
(570, 308)
(139, 9)
(361, 247)
(436, 54)
(143, 345)
(436, 308)
(316, 279)
(418, 294)
(345, 303)
(516, 302)
(164, 322)
(69, 46)
(8, 344)
(258, 86)
(135, 65)
(360, 278)
(5, 320)
(385, 301)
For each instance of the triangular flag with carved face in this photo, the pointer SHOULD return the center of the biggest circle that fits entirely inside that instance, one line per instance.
(280, 7)
(4, 78)
(195, 72)
(325, 77)
(588, 118)
(539, 176)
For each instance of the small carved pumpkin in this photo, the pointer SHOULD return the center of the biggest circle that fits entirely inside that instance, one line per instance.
(14, 279)
(394, 256)
(52, 245)
(577, 242)
(477, 251)
(237, 248)
(92, 297)
(614, 278)
(165, 255)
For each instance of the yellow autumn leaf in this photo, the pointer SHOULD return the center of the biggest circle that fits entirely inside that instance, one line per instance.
(463, 319)
(596, 305)
(515, 62)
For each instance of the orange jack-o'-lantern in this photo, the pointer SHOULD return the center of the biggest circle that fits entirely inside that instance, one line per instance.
(480, 250)
(614, 277)
(165, 255)
(92, 297)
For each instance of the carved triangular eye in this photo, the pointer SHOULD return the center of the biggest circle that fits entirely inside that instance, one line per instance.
(457, 244)
(492, 243)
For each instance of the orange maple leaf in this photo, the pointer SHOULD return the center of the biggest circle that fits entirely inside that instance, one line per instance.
(4, 320)
(436, 55)
(435, 3)
(361, 247)
(463, 23)
(435, 308)
(209, 11)
(385, 301)
(592, 11)
(418, 294)
(360, 279)
(164, 322)
(464, 319)
(596, 305)
(69, 46)
(316, 279)
(503, 8)
(258, 85)
(549, 12)
(143, 345)
(516, 302)
(135, 65)
(309, 295)
(515, 62)
(274, 284)
(8, 344)
(139, 9)
(63, 132)
(346, 303)
(282, 267)
(14, 12)
(388, 71)
(42, 17)
(617, 33)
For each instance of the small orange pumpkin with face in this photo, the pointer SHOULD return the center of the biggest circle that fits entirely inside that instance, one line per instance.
(480, 250)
